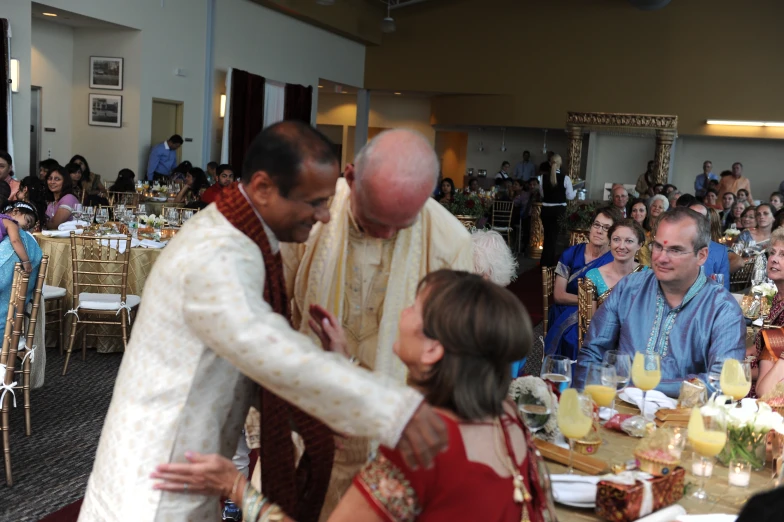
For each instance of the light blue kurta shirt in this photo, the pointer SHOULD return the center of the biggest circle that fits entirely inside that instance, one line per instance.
(692, 339)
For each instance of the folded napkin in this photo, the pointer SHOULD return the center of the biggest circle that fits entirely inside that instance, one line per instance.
(668, 514)
(606, 413)
(61, 233)
(114, 242)
(654, 400)
(713, 517)
(149, 243)
(574, 489)
(71, 225)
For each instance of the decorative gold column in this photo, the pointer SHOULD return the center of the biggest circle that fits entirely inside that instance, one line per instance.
(537, 232)
(661, 168)
(575, 134)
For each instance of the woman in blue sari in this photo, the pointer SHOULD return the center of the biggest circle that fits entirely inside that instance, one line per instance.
(574, 263)
(8, 259)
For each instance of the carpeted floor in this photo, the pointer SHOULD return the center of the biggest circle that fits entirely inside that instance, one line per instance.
(51, 467)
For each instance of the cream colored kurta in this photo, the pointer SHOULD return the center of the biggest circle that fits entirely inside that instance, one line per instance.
(202, 336)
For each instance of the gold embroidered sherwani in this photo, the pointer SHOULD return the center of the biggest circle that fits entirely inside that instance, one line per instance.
(367, 282)
(202, 336)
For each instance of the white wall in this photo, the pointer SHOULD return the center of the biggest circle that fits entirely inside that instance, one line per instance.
(278, 47)
(18, 14)
(517, 141)
(52, 70)
(616, 159)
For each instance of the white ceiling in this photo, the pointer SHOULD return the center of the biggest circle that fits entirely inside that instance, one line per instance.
(71, 19)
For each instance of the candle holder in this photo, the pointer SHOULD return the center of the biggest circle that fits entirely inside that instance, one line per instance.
(701, 467)
(740, 473)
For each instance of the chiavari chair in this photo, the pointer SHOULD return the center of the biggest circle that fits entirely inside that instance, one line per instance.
(100, 266)
(54, 298)
(166, 210)
(29, 346)
(585, 297)
(577, 236)
(502, 219)
(548, 287)
(742, 278)
(13, 331)
(129, 199)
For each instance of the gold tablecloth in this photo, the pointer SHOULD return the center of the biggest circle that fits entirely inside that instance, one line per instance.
(60, 274)
(618, 448)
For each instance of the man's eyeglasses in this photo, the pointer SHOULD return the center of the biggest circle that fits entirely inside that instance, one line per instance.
(598, 226)
(657, 248)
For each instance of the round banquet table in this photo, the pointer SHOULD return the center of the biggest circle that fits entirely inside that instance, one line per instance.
(60, 273)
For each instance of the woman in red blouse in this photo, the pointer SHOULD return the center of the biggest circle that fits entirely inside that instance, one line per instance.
(459, 356)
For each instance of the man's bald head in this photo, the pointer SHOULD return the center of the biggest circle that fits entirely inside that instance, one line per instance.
(393, 178)
(699, 207)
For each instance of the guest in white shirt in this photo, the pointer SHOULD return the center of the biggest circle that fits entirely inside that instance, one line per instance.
(503, 174)
(526, 169)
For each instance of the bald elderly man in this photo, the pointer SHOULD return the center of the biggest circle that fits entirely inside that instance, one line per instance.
(385, 233)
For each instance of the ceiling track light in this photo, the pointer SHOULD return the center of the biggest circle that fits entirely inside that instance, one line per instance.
(743, 123)
(388, 23)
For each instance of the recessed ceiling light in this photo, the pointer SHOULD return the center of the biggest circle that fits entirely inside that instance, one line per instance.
(49, 14)
(321, 86)
(398, 93)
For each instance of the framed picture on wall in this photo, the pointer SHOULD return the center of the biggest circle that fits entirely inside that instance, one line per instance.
(105, 110)
(106, 73)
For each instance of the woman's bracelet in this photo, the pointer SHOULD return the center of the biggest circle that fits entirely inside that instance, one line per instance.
(234, 486)
(26, 262)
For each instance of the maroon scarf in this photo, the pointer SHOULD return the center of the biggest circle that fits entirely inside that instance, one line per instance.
(299, 491)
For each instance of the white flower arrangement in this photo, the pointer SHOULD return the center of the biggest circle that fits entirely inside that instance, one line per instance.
(152, 220)
(768, 290)
(732, 232)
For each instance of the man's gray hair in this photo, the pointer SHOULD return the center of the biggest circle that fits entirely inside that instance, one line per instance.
(678, 214)
(493, 259)
(405, 152)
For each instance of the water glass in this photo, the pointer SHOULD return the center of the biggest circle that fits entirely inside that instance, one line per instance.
(141, 209)
(90, 213)
(557, 369)
(173, 217)
(102, 215)
(186, 215)
(535, 411)
(77, 211)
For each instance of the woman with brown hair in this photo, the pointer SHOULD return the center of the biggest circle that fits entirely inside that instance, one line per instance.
(626, 239)
(717, 232)
(459, 357)
(90, 184)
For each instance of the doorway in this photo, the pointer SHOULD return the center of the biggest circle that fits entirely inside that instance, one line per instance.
(166, 121)
(35, 129)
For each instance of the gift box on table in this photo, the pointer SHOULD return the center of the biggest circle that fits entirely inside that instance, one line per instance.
(624, 503)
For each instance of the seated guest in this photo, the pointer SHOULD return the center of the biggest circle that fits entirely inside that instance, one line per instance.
(74, 170)
(668, 189)
(212, 172)
(771, 364)
(743, 195)
(719, 257)
(447, 192)
(626, 239)
(776, 201)
(195, 180)
(657, 205)
(60, 198)
(734, 215)
(124, 182)
(759, 230)
(574, 263)
(711, 199)
(717, 231)
(673, 310)
(727, 200)
(7, 173)
(225, 177)
(33, 191)
(91, 184)
(493, 259)
(460, 360)
(473, 185)
(45, 167)
(640, 213)
(658, 189)
(180, 171)
(673, 196)
(748, 219)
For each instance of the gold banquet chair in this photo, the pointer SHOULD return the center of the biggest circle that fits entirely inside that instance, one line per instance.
(577, 236)
(14, 323)
(166, 210)
(54, 299)
(548, 286)
(27, 350)
(585, 297)
(741, 279)
(501, 219)
(129, 199)
(100, 266)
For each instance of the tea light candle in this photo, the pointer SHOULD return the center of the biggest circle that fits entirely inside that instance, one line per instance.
(740, 474)
(697, 468)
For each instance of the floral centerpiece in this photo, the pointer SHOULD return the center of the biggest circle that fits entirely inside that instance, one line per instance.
(580, 218)
(152, 220)
(766, 290)
(466, 204)
(732, 232)
(747, 429)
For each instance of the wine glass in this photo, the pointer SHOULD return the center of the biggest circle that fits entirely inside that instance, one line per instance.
(707, 436)
(141, 209)
(623, 369)
(186, 215)
(714, 379)
(558, 370)
(575, 419)
(735, 378)
(90, 212)
(646, 373)
(77, 211)
(172, 216)
(139, 187)
(102, 215)
(119, 211)
(535, 411)
(600, 383)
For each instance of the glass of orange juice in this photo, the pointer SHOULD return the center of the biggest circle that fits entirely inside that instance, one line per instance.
(735, 379)
(575, 419)
(600, 381)
(707, 435)
(646, 373)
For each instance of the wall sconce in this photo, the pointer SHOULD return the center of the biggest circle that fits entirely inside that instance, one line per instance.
(746, 123)
(14, 75)
(223, 105)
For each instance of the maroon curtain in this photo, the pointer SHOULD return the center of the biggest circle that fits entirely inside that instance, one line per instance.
(246, 114)
(5, 87)
(298, 103)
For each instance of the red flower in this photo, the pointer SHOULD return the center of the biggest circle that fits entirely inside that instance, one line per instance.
(470, 203)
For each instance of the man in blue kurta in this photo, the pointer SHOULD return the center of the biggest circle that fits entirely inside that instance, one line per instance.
(674, 310)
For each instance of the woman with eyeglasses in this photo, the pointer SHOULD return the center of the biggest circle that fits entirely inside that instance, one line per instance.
(574, 264)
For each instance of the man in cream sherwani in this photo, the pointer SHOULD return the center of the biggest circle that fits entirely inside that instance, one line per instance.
(385, 233)
(204, 334)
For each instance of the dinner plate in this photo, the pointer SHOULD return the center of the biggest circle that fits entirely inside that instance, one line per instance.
(158, 200)
(625, 398)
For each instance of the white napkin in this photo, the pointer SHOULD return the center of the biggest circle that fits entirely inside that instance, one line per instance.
(606, 413)
(654, 400)
(668, 514)
(71, 225)
(115, 241)
(61, 233)
(574, 489)
(757, 322)
(149, 243)
(713, 517)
